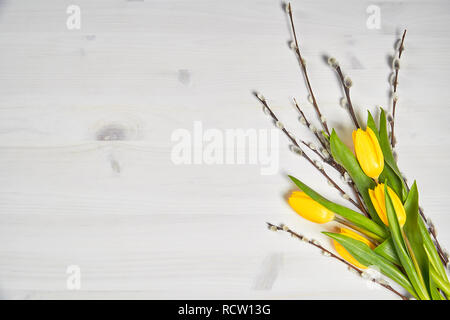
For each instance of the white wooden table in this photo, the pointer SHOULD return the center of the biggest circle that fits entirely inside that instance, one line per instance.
(86, 118)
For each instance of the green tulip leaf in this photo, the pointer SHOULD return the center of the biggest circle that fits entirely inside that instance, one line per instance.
(412, 231)
(385, 145)
(387, 250)
(431, 251)
(417, 241)
(390, 172)
(371, 124)
(401, 249)
(356, 218)
(364, 255)
(391, 178)
(345, 157)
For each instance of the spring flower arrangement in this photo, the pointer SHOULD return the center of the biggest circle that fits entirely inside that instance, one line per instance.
(388, 231)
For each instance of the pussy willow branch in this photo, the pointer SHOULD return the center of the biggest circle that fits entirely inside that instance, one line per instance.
(306, 144)
(347, 95)
(314, 243)
(394, 98)
(308, 124)
(358, 198)
(330, 161)
(304, 155)
(305, 73)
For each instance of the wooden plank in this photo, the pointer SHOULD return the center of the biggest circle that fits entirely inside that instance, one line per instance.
(86, 118)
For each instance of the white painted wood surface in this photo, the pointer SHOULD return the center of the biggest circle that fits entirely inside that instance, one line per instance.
(138, 225)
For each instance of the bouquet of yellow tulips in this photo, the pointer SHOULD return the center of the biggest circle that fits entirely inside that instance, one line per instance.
(389, 230)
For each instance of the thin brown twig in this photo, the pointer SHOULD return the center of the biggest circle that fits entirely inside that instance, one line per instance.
(358, 198)
(308, 145)
(305, 73)
(331, 254)
(308, 124)
(330, 160)
(394, 98)
(347, 95)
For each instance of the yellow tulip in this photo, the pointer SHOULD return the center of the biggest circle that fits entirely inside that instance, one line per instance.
(378, 201)
(368, 152)
(345, 254)
(309, 209)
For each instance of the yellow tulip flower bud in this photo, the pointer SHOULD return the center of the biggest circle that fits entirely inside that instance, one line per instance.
(309, 209)
(379, 202)
(368, 152)
(344, 253)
